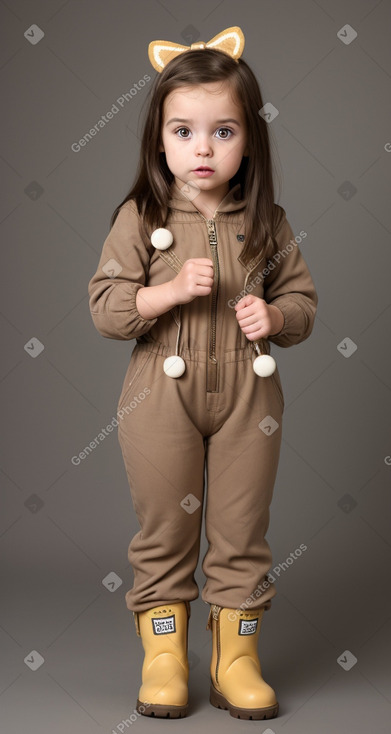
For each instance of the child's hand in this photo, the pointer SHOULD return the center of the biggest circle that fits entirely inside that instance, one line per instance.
(257, 319)
(194, 279)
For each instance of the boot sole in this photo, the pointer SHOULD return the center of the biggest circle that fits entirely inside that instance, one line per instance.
(161, 712)
(218, 700)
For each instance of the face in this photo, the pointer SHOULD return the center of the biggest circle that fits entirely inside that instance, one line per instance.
(203, 126)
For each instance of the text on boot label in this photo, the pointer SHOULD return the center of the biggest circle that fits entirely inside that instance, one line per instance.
(247, 626)
(164, 626)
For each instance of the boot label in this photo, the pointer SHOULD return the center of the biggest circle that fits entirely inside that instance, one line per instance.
(248, 626)
(164, 625)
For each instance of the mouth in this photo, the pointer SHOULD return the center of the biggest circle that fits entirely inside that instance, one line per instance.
(204, 168)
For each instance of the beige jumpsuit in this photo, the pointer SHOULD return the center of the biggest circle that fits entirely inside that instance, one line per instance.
(219, 415)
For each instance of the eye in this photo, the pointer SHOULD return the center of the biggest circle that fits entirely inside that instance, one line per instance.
(180, 129)
(228, 130)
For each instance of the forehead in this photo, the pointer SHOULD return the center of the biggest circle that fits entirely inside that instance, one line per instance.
(219, 96)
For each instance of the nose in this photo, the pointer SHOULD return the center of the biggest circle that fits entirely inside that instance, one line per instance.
(203, 146)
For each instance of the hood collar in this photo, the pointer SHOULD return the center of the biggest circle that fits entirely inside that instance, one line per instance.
(231, 202)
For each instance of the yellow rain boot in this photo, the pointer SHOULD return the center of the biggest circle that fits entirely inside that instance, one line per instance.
(236, 678)
(165, 672)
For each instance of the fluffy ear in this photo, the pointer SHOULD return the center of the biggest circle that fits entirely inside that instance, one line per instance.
(231, 41)
(161, 52)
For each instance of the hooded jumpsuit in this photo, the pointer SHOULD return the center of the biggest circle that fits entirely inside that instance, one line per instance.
(218, 416)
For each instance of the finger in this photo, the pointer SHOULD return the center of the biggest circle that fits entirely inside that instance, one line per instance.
(250, 320)
(246, 313)
(204, 280)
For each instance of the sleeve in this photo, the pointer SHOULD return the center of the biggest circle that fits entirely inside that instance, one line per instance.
(289, 286)
(122, 270)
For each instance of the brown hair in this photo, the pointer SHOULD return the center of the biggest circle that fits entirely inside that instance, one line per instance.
(153, 178)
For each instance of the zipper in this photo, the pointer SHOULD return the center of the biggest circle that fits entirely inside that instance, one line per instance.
(137, 624)
(212, 363)
(212, 234)
(215, 612)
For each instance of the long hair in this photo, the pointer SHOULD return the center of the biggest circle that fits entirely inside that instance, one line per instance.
(153, 177)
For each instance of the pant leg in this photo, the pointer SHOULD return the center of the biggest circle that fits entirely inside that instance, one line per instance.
(242, 461)
(164, 455)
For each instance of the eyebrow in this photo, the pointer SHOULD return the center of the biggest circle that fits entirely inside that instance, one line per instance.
(219, 122)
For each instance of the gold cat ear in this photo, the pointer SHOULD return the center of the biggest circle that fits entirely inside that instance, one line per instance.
(231, 41)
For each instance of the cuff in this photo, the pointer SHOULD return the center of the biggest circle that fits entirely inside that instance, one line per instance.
(284, 312)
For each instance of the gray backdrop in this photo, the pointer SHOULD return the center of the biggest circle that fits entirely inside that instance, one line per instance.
(71, 661)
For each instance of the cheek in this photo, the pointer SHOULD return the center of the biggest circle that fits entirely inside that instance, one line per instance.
(172, 146)
(168, 141)
(235, 152)
(169, 148)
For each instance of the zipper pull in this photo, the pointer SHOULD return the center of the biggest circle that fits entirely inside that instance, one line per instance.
(213, 612)
(216, 611)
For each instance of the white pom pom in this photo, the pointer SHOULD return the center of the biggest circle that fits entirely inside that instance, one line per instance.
(264, 365)
(162, 238)
(174, 366)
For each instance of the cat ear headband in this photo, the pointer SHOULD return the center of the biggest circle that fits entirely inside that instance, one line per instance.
(231, 41)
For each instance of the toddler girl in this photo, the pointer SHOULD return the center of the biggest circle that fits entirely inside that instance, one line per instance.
(201, 267)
